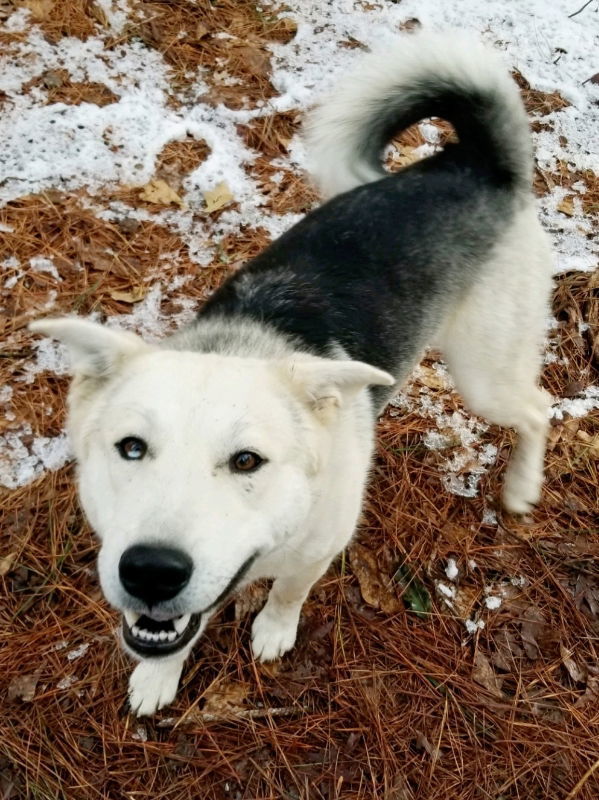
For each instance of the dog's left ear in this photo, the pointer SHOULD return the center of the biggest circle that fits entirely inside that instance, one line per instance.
(95, 351)
(327, 383)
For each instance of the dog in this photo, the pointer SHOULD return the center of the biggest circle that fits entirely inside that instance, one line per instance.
(240, 447)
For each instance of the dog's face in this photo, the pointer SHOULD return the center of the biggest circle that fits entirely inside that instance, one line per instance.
(192, 467)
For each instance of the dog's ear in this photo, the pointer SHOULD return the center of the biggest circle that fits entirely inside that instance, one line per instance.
(327, 383)
(94, 350)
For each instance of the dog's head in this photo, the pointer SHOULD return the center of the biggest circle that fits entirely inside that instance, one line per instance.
(192, 467)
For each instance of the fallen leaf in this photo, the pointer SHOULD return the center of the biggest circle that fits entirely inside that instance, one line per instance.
(201, 31)
(484, 674)
(255, 60)
(431, 377)
(567, 206)
(23, 687)
(404, 158)
(422, 743)
(226, 699)
(508, 650)
(40, 9)
(160, 193)
(6, 563)
(533, 625)
(374, 587)
(54, 78)
(409, 25)
(590, 444)
(591, 694)
(98, 14)
(465, 599)
(133, 296)
(218, 198)
(578, 674)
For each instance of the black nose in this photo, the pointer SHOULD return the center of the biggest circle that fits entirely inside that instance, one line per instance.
(154, 573)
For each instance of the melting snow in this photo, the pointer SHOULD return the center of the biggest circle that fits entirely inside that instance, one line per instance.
(451, 570)
(72, 655)
(45, 146)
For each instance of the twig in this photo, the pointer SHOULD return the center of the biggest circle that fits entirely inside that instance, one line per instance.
(585, 777)
(588, 3)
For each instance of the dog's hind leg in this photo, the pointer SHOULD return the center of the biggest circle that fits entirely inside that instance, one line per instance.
(493, 344)
(512, 401)
(275, 628)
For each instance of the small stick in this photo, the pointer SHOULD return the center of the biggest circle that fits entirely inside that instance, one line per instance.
(588, 3)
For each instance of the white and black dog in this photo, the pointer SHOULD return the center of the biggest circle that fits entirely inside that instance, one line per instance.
(240, 447)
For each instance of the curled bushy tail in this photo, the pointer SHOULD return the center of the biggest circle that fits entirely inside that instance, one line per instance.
(446, 75)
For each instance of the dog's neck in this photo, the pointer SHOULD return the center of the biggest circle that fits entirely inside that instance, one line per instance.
(233, 336)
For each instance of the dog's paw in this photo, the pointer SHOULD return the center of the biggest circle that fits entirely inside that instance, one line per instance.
(153, 685)
(273, 634)
(520, 492)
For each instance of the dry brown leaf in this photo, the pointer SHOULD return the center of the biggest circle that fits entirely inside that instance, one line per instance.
(98, 14)
(591, 694)
(431, 378)
(409, 25)
(201, 31)
(218, 198)
(226, 699)
(508, 651)
(533, 625)
(590, 444)
(22, 687)
(6, 563)
(567, 206)
(578, 674)
(40, 9)
(465, 599)
(376, 589)
(133, 296)
(484, 674)
(405, 157)
(160, 193)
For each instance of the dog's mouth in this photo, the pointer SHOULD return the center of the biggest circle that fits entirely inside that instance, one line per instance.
(151, 637)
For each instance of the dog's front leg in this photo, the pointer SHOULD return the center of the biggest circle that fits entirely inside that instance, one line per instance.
(275, 628)
(153, 683)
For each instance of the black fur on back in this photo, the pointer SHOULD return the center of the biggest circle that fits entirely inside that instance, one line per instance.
(376, 269)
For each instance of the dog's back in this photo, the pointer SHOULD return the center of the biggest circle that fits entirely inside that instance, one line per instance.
(377, 269)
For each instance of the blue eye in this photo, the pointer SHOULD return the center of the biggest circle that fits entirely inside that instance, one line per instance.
(131, 448)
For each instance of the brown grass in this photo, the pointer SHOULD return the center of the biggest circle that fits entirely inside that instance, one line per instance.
(375, 701)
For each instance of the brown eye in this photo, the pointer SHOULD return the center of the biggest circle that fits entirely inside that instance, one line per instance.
(245, 461)
(131, 448)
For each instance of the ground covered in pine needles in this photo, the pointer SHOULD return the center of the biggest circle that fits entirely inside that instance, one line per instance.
(450, 654)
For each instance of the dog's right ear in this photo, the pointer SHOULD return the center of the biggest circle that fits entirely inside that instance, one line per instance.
(95, 351)
(326, 384)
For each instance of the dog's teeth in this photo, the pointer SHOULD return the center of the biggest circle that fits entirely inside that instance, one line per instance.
(181, 623)
(131, 617)
(172, 635)
(135, 630)
(163, 635)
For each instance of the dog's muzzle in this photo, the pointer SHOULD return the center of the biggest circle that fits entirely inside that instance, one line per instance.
(148, 637)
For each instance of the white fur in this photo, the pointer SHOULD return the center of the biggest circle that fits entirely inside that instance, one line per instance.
(335, 129)
(310, 418)
(492, 344)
